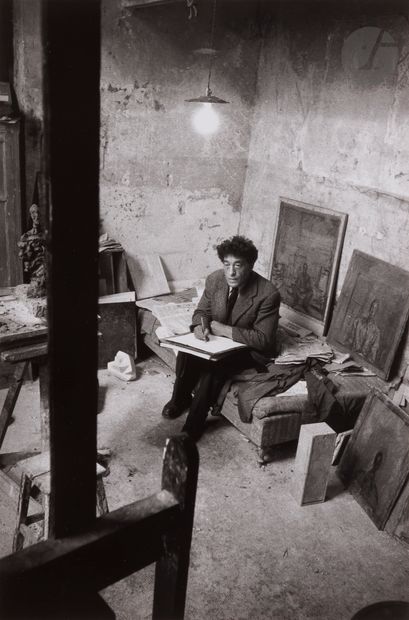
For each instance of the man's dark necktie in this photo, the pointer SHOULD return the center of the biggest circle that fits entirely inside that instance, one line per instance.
(231, 300)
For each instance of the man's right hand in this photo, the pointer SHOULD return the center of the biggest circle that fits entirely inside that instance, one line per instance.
(201, 334)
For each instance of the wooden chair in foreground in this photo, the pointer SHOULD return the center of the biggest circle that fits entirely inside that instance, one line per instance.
(61, 578)
(35, 482)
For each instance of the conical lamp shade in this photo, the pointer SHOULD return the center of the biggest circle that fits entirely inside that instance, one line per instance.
(206, 99)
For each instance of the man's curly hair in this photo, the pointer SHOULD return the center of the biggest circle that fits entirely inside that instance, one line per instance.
(238, 246)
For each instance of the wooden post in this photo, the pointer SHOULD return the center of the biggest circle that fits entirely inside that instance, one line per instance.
(11, 398)
(44, 381)
(72, 112)
(179, 477)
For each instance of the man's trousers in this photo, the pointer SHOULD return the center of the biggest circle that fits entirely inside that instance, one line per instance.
(206, 378)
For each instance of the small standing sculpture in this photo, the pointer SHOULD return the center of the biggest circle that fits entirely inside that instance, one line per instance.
(33, 253)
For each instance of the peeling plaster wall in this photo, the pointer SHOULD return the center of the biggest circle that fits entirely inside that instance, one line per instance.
(331, 128)
(164, 188)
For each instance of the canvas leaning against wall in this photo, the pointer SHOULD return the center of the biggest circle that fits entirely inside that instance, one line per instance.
(375, 464)
(371, 313)
(307, 250)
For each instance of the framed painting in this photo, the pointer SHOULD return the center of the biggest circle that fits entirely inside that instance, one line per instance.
(371, 313)
(307, 250)
(375, 464)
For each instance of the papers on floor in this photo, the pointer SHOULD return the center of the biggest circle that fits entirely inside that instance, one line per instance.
(298, 350)
(349, 368)
(215, 348)
(148, 276)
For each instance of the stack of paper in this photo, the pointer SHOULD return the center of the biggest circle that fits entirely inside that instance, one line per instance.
(350, 368)
(298, 350)
(340, 358)
(212, 349)
(181, 297)
(176, 318)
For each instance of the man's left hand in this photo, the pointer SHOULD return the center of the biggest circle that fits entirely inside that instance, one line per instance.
(219, 329)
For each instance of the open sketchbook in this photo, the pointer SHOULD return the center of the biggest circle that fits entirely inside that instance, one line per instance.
(215, 348)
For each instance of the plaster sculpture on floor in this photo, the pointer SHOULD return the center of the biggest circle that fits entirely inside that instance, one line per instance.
(123, 367)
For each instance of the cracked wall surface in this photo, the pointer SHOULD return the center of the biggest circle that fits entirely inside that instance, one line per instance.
(164, 188)
(318, 114)
(331, 128)
(330, 131)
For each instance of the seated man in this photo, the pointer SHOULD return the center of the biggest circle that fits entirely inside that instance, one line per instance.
(239, 304)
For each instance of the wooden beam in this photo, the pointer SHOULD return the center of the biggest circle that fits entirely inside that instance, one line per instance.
(17, 339)
(72, 113)
(140, 4)
(172, 568)
(127, 533)
(27, 352)
(11, 398)
(56, 573)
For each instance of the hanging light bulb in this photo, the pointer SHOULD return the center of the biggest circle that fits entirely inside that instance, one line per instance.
(206, 120)
(208, 98)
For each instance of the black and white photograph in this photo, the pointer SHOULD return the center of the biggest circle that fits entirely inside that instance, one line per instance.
(204, 309)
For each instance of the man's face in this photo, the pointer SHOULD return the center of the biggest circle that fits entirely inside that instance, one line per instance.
(236, 271)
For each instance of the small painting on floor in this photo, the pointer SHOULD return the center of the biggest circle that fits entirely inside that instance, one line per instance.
(375, 464)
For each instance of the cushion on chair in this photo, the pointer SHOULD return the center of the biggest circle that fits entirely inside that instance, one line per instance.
(273, 405)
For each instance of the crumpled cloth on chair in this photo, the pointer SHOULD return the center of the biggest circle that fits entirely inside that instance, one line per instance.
(276, 380)
(252, 386)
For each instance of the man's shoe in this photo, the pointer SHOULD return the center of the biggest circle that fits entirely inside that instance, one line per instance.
(171, 411)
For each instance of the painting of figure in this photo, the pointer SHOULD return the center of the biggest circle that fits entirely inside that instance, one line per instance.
(371, 312)
(305, 261)
(367, 335)
(367, 482)
(374, 473)
(303, 289)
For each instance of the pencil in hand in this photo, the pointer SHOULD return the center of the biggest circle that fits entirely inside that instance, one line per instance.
(205, 336)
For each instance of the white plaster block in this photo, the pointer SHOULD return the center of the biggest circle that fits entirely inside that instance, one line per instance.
(123, 367)
(313, 463)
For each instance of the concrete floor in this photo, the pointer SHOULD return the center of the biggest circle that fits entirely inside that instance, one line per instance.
(255, 553)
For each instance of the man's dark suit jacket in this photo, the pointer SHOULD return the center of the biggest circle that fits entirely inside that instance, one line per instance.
(255, 313)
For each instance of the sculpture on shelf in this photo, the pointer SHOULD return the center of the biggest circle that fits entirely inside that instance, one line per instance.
(32, 246)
